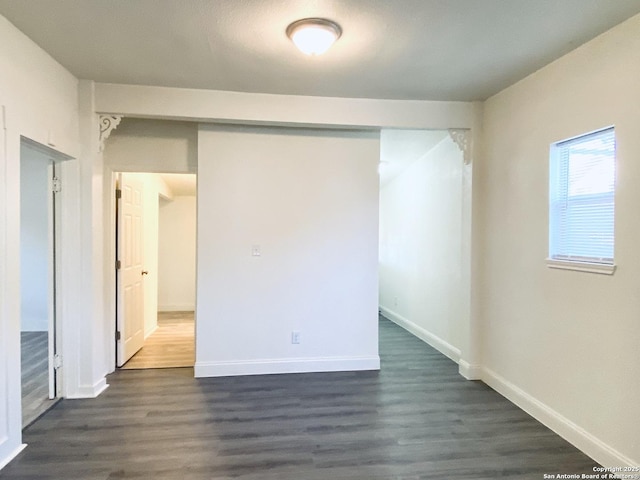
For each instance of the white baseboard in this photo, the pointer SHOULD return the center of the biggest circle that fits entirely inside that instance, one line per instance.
(469, 371)
(150, 332)
(288, 365)
(574, 434)
(436, 342)
(13, 454)
(177, 307)
(91, 391)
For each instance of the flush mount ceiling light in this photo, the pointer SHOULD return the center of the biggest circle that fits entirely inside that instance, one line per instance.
(314, 36)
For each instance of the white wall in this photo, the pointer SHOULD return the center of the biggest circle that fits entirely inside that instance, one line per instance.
(34, 240)
(309, 200)
(139, 145)
(40, 101)
(177, 254)
(420, 247)
(564, 344)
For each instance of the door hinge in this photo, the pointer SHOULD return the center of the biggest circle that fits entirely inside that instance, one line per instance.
(4, 117)
(118, 264)
(118, 193)
(56, 185)
(118, 336)
(57, 361)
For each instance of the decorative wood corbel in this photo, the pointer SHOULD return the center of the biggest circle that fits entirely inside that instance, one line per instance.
(108, 124)
(462, 138)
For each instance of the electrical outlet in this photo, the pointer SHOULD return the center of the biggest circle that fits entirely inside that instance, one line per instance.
(395, 301)
(295, 337)
(255, 250)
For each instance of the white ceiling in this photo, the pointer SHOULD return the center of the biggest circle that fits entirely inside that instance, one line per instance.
(404, 49)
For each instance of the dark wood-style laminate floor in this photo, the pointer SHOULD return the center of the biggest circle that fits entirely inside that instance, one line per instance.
(415, 419)
(34, 357)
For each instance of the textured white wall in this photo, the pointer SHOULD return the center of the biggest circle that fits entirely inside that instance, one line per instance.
(177, 254)
(309, 199)
(420, 247)
(566, 339)
(34, 240)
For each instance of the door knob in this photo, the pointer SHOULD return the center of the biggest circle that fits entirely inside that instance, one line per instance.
(144, 272)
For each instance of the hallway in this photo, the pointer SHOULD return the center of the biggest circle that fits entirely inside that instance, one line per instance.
(171, 345)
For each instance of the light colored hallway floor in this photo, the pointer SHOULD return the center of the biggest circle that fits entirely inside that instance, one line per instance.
(35, 375)
(171, 345)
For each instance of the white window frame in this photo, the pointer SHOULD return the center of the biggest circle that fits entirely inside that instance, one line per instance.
(568, 262)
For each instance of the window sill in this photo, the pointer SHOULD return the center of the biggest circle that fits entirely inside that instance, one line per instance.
(581, 266)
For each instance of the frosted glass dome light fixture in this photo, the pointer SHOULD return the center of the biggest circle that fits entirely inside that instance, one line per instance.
(314, 36)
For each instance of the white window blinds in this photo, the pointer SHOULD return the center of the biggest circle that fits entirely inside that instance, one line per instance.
(581, 203)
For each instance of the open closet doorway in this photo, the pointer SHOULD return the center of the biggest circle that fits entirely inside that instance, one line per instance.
(155, 280)
(40, 358)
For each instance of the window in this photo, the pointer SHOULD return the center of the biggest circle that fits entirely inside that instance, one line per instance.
(581, 202)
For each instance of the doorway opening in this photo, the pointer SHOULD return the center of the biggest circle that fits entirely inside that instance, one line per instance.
(155, 278)
(39, 329)
(422, 236)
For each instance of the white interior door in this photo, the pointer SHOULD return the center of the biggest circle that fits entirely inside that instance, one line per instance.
(130, 336)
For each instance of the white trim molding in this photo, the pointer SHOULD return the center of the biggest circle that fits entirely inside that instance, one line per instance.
(150, 332)
(574, 434)
(469, 371)
(436, 342)
(89, 391)
(286, 365)
(589, 267)
(5, 461)
(141, 101)
(108, 123)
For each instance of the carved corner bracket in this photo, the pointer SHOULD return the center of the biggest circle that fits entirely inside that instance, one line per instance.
(108, 124)
(462, 138)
